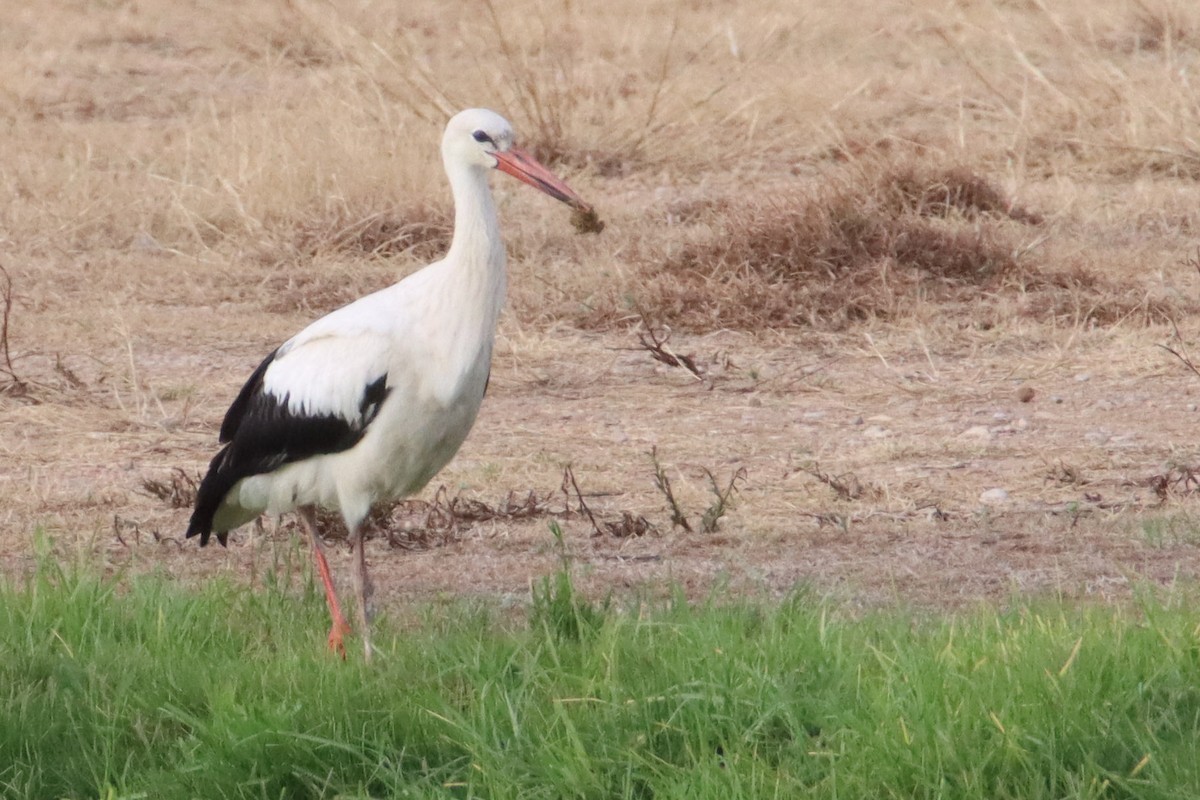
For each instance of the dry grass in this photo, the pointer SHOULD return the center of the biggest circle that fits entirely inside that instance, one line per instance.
(413, 524)
(844, 254)
(177, 491)
(422, 235)
(890, 225)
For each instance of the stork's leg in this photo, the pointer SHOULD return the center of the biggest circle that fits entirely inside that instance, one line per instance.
(308, 519)
(362, 587)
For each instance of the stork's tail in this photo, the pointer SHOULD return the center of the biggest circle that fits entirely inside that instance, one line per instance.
(216, 484)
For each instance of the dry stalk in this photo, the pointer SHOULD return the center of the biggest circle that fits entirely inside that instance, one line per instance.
(1181, 352)
(547, 110)
(663, 484)
(628, 525)
(659, 85)
(712, 515)
(568, 480)
(15, 385)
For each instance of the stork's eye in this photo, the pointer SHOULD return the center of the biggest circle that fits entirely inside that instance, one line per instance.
(481, 137)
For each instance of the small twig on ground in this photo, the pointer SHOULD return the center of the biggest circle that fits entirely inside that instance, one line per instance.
(1178, 481)
(121, 524)
(847, 485)
(654, 340)
(824, 518)
(67, 373)
(629, 525)
(663, 483)
(1065, 474)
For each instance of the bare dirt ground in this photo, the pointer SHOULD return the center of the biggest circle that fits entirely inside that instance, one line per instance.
(188, 188)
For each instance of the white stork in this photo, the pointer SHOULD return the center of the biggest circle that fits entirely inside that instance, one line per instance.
(370, 401)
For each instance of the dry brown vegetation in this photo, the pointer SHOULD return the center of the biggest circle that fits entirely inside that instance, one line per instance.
(879, 297)
(841, 255)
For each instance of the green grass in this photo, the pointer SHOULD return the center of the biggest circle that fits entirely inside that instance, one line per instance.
(139, 687)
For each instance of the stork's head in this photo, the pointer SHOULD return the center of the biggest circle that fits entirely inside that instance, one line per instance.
(481, 138)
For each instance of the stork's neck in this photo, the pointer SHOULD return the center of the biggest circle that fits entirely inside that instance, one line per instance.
(476, 247)
(473, 272)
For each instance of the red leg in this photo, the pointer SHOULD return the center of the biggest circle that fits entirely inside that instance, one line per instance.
(340, 627)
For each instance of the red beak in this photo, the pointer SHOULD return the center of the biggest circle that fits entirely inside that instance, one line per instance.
(524, 167)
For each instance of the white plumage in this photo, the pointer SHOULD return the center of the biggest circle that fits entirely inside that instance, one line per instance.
(369, 402)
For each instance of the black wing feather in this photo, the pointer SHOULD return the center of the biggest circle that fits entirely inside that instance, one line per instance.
(237, 409)
(261, 434)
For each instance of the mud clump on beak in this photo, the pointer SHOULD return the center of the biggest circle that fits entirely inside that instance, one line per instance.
(585, 219)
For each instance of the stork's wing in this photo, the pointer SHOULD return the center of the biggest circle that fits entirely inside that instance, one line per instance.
(310, 397)
(315, 395)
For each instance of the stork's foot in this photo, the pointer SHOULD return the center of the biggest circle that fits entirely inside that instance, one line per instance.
(337, 635)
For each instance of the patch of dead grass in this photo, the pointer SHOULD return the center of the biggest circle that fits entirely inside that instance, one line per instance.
(1084, 295)
(944, 193)
(176, 491)
(866, 248)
